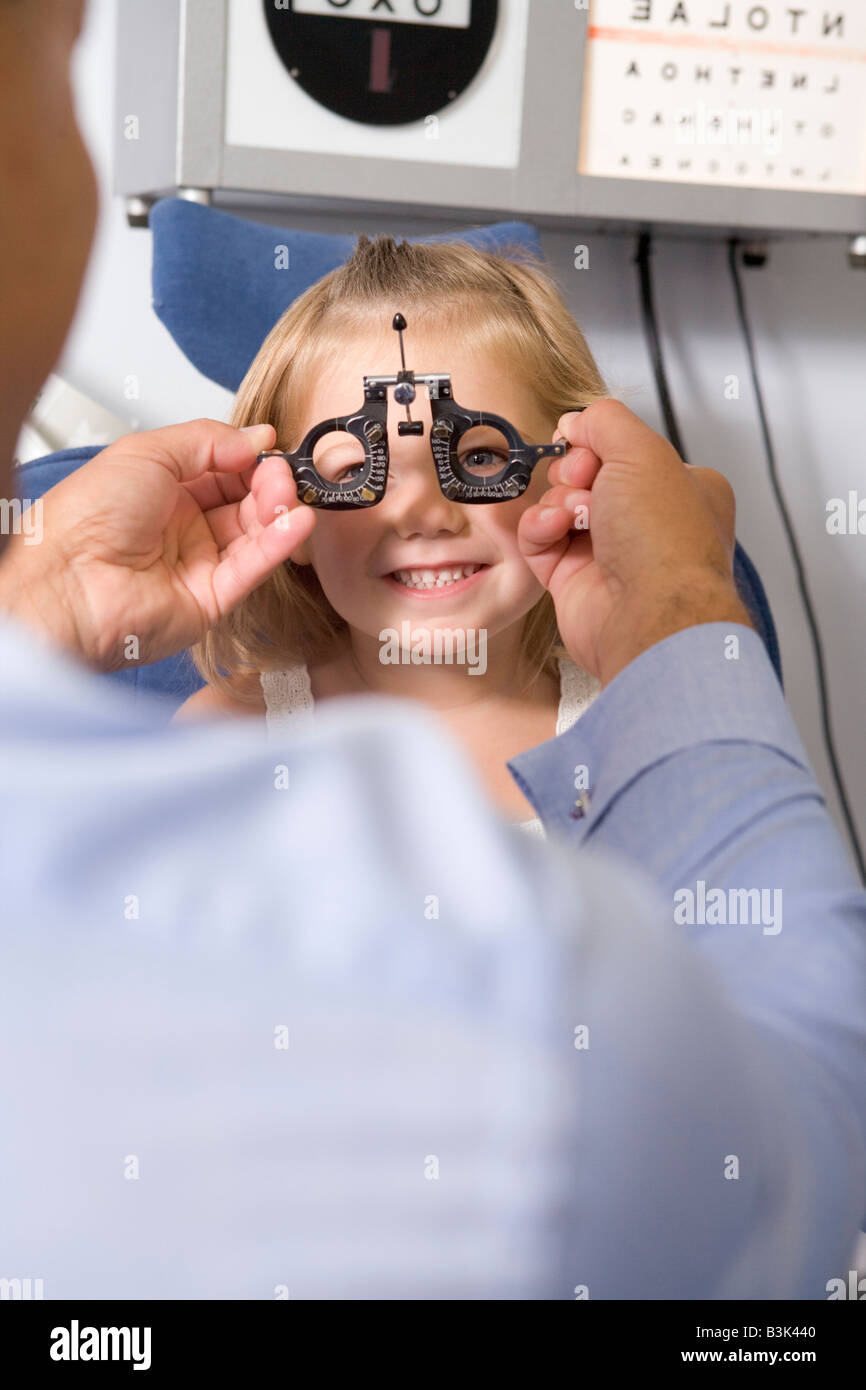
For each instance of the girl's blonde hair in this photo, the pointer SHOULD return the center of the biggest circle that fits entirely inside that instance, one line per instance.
(504, 305)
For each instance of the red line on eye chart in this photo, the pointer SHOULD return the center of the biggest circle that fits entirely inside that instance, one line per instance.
(380, 60)
(784, 50)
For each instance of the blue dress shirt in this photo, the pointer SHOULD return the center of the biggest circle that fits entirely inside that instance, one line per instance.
(312, 1021)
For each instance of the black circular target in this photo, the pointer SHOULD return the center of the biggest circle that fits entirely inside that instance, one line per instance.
(382, 62)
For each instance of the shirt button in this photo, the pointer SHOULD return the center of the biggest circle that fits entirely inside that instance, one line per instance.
(581, 806)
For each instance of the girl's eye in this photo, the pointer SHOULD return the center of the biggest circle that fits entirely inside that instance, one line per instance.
(483, 451)
(482, 463)
(345, 475)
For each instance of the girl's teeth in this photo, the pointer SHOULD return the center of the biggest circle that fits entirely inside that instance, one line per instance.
(434, 579)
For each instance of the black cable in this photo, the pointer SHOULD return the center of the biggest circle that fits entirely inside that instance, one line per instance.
(798, 561)
(651, 330)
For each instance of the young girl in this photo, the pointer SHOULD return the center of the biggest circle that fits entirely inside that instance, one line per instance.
(316, 629)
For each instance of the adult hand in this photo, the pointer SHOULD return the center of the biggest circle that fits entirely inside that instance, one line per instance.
(156, 538)
(658, 554)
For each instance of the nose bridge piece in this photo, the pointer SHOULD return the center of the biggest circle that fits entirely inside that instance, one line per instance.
(404, 391)
(405, 456)
(404, 394)
(415, 477)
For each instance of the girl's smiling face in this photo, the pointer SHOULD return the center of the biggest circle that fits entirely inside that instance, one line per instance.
(357, 555)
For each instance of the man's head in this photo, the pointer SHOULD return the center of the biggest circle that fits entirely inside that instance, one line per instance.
(48, 202)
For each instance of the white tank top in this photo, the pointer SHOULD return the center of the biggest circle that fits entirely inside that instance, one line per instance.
(289, 699)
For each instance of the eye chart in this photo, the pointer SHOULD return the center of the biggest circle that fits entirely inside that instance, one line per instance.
(727, 92)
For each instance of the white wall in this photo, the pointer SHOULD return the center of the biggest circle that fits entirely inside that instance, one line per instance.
(808, 313)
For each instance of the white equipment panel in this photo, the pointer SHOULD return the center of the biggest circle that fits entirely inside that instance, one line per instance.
(717, 115)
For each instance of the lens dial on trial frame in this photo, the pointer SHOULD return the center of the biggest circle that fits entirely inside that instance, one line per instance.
(342, 463)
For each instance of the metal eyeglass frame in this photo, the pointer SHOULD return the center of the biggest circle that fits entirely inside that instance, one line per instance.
(450, 422)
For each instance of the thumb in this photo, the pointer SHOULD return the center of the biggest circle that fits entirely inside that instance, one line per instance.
(614, 433)
(196, 447)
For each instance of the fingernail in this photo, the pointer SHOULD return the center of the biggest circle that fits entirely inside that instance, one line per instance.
(547, 512)
(248, 429)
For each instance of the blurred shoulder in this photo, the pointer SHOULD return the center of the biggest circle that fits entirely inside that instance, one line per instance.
(246, 699)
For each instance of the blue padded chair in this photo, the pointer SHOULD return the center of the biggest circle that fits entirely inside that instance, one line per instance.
(220, 283)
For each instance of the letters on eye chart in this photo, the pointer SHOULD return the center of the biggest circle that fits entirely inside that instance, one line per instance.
(770, 17)
(727, 92)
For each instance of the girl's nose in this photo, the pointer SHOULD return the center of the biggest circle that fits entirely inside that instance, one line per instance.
(413, 494)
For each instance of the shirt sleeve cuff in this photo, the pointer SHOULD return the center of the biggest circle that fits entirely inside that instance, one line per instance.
(713, 683)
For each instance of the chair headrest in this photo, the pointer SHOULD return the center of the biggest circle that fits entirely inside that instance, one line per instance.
(220, 282)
